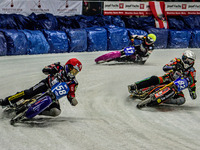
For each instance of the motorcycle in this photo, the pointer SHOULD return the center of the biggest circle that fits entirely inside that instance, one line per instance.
(34, 106)
(128, 54)
(159, 94)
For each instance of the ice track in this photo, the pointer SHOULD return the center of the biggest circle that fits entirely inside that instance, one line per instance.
(105, 118)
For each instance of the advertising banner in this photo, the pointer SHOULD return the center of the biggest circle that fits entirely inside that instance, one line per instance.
(181, 8)
(143, 8)
(55, 7)
(126, 8)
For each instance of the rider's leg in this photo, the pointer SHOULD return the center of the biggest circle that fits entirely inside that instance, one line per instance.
(178, 99)
(26, 94)
(153, 80)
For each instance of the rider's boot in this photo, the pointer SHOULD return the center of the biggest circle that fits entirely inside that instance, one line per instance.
(132, 89)
(4, 102)
(11, 100)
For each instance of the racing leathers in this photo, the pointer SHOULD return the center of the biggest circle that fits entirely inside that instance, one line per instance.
(142, 51)
(173, 70)
(56, 73)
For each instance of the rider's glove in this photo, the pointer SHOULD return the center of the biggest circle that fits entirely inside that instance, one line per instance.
(193, 95)
(51, 69)
(133, 36)
(179, 67)
(57, 63)
(74, 101)
(54, 70)
(192, 92)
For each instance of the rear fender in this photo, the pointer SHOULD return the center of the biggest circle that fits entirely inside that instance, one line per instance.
(163, 95)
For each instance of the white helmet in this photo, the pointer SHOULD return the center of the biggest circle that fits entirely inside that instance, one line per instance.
(188, 58)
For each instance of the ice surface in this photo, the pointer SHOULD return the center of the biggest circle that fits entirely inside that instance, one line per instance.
(104, 119)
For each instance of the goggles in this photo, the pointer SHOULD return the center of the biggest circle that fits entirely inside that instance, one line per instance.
(149, 41)
(74, 72)
(187, 60)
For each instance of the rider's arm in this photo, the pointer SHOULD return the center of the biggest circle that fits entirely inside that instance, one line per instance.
(192, 92)
(52, 69)
(192, 85)
(173, 65)
(168, 68)
(71, 95)
(139, 37)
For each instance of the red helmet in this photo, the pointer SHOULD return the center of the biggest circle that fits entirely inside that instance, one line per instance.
(73, 66)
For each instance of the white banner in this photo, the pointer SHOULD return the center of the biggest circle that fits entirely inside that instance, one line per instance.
(126, 8)
(181, 8)
(142, 8)
(55, 7)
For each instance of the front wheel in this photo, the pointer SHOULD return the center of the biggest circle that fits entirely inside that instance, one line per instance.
(108, 57)
(18, 118)
(143, 103)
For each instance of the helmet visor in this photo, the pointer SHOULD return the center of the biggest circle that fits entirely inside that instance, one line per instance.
(74, 72)
(187, 60)
(149, 40)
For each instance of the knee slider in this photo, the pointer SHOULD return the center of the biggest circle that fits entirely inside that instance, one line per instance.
(54, 112)
(180, 100)
(176, 101)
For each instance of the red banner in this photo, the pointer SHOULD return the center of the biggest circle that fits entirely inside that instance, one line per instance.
(158, 11)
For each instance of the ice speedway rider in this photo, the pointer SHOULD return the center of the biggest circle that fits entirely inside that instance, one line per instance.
(143, 50)
(54, 71)
(186, 64)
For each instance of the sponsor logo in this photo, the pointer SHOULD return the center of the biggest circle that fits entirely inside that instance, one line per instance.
(141, 6)
(174, 6)
(38, 85)
(184, 6)
(132, 6)
(112, 5)
(162, 92)
(159, 100)
(121, 5)
(39, 103)
(194, 6)
(164, 97)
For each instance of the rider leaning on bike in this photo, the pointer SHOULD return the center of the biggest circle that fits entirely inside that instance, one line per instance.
(147, 45)
(55, 72)
(177, 65)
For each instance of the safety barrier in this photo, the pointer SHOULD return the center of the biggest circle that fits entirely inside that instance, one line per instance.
(46, 33)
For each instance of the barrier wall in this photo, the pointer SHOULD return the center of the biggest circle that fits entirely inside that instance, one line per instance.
(46, 33)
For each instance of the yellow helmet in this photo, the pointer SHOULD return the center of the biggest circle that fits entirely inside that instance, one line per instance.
(150, 39)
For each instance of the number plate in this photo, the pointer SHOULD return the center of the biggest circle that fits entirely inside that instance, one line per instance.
(181, 83)
(129, 51)
(60, 90)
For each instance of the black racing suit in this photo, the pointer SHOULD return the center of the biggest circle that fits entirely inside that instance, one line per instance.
(141, 54)
(53, 71)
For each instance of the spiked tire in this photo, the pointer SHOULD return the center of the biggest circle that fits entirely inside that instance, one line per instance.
(18, 118)
(143, 103)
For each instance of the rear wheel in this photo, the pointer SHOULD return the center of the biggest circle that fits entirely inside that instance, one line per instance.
(108, 57)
